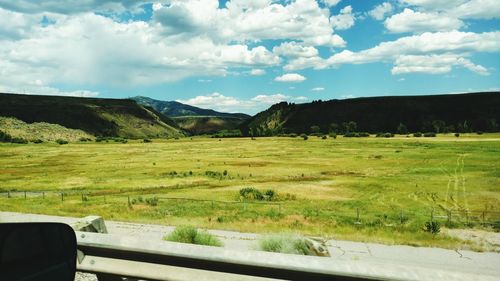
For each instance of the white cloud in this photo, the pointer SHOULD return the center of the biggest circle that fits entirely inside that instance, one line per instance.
(434, 64)
(270, 99)
(380, 11)
(204, 80)
(344, 20)
(318, 89)
(426, 44)
(257, 72)
(73, 7)
(224, 103)
(242, 21)
(411, 21)
(463, 9)
(330, 3)
(290, 77)
(294, 49)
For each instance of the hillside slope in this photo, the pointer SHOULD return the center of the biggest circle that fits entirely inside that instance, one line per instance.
(194, 119)
(458, 112)
(100, 117)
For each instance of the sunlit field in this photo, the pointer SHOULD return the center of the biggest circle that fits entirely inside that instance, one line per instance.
(364, 189)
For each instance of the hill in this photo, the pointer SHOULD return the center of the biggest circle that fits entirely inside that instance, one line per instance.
(40, 131)
(194, 119)
(434, 113)
(96, 116)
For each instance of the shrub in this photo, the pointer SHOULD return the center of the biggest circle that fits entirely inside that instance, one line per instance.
(385, 135)
(19, 140)
(304, 136)
(430, 135)
(146, 141)
(417, 134)
(190, 235)
(37, 141)
(479, 132)
(270, 195)
(324, 137)
(457, 135)
(83, 139)
(153, 201)
(61, 141)
(4, 137)
(251, 194)
(433, 227)
(286, 244)
(333, 135)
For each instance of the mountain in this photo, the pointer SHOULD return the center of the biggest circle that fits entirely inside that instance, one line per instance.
(456, 112)
(96, 116)
(194, 119)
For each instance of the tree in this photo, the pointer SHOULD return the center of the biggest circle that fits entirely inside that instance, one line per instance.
(350, 126)
(402, 129)
(334, 128)
(438, 126)
(315, 129)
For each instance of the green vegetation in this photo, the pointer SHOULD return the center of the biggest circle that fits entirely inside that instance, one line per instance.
(191, 235)
(363, 189)
(432, 227)
(286, 244)
(98, 117)
(439, 114)
(34, 132)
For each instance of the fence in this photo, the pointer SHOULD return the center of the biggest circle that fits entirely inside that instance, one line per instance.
(357, 217)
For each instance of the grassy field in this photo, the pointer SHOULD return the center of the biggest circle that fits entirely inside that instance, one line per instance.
(395, 185)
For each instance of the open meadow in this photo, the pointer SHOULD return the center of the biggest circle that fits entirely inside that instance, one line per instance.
(362, 189)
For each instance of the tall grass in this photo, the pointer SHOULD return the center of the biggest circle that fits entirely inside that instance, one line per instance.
(191, 235)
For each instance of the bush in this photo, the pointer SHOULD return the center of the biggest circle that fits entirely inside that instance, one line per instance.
(146, 141)
(83, 139)
(433, 227)
(333, 135)
(37, 141)
(457, 135)
(61, 141)
(286, 244)
(479, 132)
(417, 135)
(19, 140)
(251, 194)
(190, 235)
(304, 136)
(4, 137)
(324, 137)
(430, 135)
(153, 201)
(385, 135)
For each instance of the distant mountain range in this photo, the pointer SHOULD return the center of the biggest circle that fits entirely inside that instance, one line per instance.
(96, 116)
(457, 112)
(194, 119)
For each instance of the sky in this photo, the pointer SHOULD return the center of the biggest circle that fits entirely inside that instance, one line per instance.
(245, 55)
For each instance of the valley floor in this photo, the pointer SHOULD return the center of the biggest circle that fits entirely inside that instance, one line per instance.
(372, 190)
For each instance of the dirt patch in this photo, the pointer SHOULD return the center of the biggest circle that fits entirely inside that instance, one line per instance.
(487, 240)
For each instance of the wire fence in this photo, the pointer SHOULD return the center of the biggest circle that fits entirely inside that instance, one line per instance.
(358, 217)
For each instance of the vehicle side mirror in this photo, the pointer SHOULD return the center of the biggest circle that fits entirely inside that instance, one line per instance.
(37, 251)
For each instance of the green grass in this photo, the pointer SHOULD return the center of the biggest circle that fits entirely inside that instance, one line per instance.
(286, 244)
(394, 184)
(191, 235)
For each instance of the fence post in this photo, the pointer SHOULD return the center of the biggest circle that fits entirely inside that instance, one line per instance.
(43, 195)
(401, 217)
(432, 214)
(484, 222)
(212, 202)
(128, 198)
(25, 195)
(449, 217)
(62, 196)
(357, 214)
(8, 194)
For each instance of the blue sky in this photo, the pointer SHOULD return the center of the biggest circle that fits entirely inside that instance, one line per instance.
(243, 56)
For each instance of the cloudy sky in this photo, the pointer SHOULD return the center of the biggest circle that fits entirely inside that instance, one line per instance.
(244, 55)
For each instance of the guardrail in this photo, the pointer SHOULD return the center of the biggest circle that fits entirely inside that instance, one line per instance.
(112, 256)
